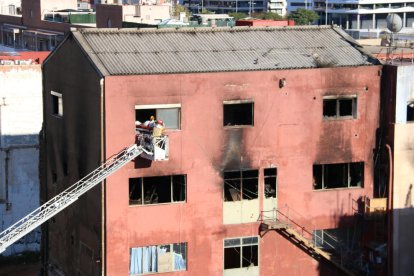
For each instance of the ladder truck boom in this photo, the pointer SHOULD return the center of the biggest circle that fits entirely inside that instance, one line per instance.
(68, 196)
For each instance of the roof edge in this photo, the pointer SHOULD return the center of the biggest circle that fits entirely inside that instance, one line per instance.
(203, 29)
(357, 46)
(87, 49)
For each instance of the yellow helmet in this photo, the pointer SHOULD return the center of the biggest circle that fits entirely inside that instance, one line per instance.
(152, 118)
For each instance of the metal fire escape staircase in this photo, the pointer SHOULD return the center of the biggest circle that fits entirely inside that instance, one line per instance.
(147, 146)
(298, 234)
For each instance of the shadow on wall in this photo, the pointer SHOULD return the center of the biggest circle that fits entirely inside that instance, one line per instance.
(362, 246)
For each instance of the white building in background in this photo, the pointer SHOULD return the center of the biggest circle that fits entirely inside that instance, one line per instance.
(364, 14)
(367, 15)
(10, 7)
(20, 124)
(293, 5)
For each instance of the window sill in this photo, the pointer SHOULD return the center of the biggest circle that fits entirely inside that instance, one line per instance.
(238, 126)
(157, 204)
(338, 189)
(344, 118)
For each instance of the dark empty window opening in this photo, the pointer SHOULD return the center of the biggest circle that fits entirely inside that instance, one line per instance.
(157, 189)
(238, 114)
(57, 104)
(241, 252)
(410, 111)
(339, 107)
(270, 178)
(343, 175)
(169, 114)
(240, 185)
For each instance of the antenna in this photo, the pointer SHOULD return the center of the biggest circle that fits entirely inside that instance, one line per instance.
(394, 25)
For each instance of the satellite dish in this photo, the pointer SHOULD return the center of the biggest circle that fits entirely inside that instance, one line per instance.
(394, 23)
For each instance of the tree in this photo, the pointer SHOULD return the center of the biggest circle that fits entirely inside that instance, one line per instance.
(267, 15)
(303, 16)
(179, 9)
(238, 15)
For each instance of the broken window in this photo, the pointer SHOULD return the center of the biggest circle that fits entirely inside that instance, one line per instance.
(342, 175)
(158, 258)
(170, 114)
(410, 111)
(157, 189)
(240, 185)
(270, 178)
(241, 252)
(339, 107)
(238, 113)
(57, 103)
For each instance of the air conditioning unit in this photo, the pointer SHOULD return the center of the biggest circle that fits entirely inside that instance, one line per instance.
(7, 62)
(25, 62)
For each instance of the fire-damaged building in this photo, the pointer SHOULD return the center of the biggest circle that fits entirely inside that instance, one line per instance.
(270, 151)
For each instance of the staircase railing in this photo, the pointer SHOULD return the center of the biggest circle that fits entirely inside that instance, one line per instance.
(289, 217)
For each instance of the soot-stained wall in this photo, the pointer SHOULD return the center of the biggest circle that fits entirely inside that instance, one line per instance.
(289, 133)
(72, 241)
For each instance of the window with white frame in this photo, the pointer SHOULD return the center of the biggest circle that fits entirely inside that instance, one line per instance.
(410, 111)
(158, 258)
(270, 178)
(341, 175)
(241, 252)
(57, 103)
(170, 114)
(240, 185)
(340, 107)
(157, 189)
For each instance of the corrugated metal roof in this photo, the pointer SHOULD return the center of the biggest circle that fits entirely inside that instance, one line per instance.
(137, 52)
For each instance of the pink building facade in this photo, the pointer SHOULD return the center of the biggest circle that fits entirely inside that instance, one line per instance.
(243, 144)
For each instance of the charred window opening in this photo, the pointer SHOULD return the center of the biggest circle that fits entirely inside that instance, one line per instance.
(339, 107)
(157, 189)
(410, 111)
(343, 175)
(240, 185)
(241, 252)
(238, 113)
(270, 178)
(57, 104)
(170, 114)
(158, 258)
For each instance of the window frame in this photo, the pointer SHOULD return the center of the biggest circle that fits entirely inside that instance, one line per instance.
(238, 102)
(57, 107)
(142, 192)
(240, 245)
(323, 186)
(337, 99)
(410, 102)
(264, 182)
(171, 245)
(241, 183)
(162, 106)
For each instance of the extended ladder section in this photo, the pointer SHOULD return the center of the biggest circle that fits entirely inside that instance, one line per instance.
(298, 234)
(70, 195)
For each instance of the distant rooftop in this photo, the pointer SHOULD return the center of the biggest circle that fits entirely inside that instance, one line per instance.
(136, 52)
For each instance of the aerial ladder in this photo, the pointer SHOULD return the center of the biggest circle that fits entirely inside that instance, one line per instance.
(150, 147)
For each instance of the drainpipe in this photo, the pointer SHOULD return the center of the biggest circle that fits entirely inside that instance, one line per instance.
(6, 179)
(103, 234)
(390, 209)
